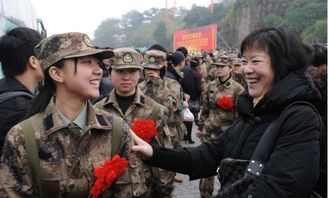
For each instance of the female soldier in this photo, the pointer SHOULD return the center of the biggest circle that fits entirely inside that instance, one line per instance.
(216, 118)
(72, 138)
(274, 63)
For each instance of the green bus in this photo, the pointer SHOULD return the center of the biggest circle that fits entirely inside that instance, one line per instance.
(16, 13)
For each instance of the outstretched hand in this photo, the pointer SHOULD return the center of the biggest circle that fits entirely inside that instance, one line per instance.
(141, 148)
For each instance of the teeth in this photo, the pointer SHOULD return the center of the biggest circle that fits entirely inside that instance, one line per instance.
(252, 80)
(94, 82)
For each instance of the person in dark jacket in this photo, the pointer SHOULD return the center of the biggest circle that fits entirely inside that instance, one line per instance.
(191, 84)
(22, 73)
(275, 62)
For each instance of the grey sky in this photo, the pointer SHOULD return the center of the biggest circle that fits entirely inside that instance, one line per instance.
(85, 15)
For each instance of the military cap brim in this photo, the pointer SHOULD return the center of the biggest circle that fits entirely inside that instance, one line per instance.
(151, 66)
(100, 53)
(220, 64)
(124, 66)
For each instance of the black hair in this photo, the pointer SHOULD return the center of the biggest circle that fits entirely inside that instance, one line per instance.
(195, 62)
(16, 47)
(46, 91)
(175, 58)
(171, 63)
(319, 55)
(183, 50)
(286, 50)
(158, 47)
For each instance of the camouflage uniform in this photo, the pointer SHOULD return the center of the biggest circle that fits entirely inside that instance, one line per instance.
(213, 119)
(238, 76)
(143, 107)
(67, 157)
(157, 88)
(177, 124)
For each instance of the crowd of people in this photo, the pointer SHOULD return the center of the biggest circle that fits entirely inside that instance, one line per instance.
(77, 120)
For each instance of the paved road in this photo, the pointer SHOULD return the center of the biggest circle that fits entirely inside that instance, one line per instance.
(190, 189)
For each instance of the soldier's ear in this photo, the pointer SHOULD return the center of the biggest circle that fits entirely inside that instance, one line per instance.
(56, 74)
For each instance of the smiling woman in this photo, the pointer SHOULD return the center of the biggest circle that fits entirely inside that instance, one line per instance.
(275, 138)
(72, 139)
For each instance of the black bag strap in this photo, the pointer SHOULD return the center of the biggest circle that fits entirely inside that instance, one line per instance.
(267, 142)
(12, 94)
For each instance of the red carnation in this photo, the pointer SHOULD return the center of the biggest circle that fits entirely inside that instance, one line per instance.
(225, 103)
(106, 174)
(145, 129)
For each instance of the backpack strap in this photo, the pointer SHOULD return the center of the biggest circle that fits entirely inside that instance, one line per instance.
(32, 155)
(116, 135)
(12, 94)
(156, 111)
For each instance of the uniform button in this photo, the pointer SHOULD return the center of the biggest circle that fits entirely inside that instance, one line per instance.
(249, 196)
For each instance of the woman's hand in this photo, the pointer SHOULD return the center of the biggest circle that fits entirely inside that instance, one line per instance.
(141, 148)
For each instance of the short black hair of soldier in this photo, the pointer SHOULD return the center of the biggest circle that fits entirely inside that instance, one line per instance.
(16, 47)
(319, 55)
(286, 50)
(158, 47)
(183, 50)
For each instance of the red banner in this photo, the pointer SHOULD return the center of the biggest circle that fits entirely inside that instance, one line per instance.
(197, 39)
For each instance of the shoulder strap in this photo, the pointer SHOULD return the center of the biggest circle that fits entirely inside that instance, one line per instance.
(12, 94)
(155, 111)
(266, 144)
(32, 155)
(116, 135)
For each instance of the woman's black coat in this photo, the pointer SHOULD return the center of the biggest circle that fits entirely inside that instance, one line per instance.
(293, 167)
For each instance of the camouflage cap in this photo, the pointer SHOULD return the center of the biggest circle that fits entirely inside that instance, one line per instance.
(126, 58)
(154, 59)
(223, 60)
(237, 62)
(68, 45)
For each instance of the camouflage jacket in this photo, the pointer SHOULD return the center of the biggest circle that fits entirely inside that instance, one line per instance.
(177, 91)
(238, 77)
(158, 90)
(213, 119)
(141, 108)
(67, 157)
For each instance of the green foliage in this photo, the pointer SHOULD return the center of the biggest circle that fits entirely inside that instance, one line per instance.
(160, 33)
(315, 33)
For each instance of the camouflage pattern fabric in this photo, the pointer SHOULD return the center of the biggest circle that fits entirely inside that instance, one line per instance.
(67, 157)
(238, 77)
(178, 126)
(67, 45)
(142, 108)
(214, 120)
(157, 89)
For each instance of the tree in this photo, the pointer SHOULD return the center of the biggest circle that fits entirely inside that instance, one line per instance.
(108, 33)
(160, 34)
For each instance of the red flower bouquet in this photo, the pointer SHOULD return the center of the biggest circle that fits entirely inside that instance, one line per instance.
(144, 129)
(225, 103)
(106, 174)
